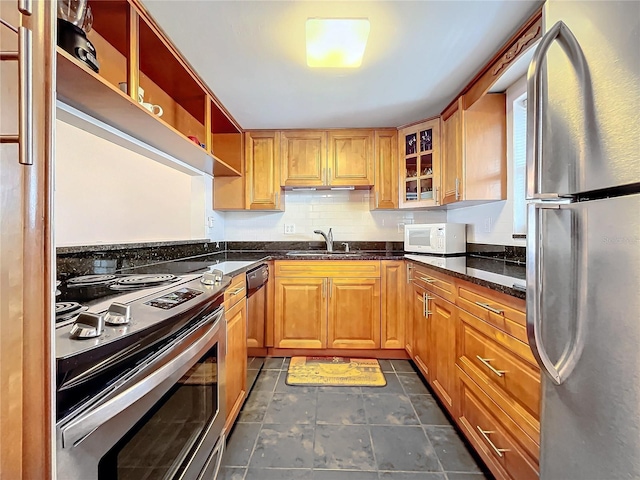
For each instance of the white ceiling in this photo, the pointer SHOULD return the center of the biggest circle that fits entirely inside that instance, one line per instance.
(420, 54)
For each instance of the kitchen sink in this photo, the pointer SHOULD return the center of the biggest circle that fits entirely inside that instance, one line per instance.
(321, 253)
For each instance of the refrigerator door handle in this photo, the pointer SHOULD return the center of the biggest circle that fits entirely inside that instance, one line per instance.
(560, 371)
(535, 117)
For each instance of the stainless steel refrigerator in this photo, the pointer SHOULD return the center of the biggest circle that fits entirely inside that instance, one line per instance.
(583, 238)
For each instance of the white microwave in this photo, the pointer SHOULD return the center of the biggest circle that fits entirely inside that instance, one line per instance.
(440, 238)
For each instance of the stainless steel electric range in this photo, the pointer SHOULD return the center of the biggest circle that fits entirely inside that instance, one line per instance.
(140, 376)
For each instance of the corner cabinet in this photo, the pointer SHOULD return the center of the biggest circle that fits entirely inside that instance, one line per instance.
(419, 171)
(262, 182)
(474, 166)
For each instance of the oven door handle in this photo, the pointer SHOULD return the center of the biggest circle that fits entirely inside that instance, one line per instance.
(175, 362)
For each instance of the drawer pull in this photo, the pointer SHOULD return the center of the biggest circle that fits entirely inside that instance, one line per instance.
(486, 361)
(485, 434)
(427, 279)
(236, 291)
(490, 308)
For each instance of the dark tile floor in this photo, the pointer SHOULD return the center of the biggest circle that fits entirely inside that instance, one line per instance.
(396, 432)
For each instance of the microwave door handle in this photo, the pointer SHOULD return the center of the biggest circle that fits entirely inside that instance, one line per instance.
(80, 428)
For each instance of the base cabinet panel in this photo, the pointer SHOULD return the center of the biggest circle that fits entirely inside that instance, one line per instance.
(420, 330)
(236, 360)
(354, 313)
(300, 312)
(442, 347)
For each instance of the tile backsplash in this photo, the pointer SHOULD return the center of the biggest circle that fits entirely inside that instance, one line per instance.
(346, 212)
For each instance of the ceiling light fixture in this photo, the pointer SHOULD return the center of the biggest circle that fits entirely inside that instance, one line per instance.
(336, 42)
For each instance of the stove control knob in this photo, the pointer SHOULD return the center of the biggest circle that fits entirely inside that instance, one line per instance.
(118, 314)
(211, 278)
(87, 325)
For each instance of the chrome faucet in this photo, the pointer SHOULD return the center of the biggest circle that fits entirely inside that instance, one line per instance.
(327, 238)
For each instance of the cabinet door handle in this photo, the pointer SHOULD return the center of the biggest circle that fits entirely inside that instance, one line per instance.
(437, 195)
(24, 56)
(409, 271)
(490, 308)
(324, 176)
(377, 200)
(329, 180)
(324, 288)
(236, 291)
(25, 7)
(486, 362)
(428, 279)
(457, 188)
(485, 434)
(330, 286)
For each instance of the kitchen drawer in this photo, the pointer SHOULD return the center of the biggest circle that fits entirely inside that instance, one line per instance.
(505, 312)
(328, 268)
(493, 434)
(493, 360)
(236, 291)
(435, 282)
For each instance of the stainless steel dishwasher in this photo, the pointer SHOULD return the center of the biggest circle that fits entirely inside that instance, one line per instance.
(256, 315)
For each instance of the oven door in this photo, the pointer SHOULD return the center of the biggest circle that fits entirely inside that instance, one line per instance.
(161, 420)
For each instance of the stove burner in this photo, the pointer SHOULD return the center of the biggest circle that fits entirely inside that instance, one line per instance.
(134, 282)
(68, 310)
(63, 308)
(90, 280)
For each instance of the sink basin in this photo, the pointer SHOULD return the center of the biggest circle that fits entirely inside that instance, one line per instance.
(321, 253)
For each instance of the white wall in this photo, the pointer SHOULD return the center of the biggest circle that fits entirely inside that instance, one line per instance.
(346, 212)
(105, 193)
(493, 222)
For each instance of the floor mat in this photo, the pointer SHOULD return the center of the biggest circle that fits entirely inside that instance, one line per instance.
(335, 371)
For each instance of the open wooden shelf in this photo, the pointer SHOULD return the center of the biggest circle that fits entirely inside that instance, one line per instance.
(90, 93)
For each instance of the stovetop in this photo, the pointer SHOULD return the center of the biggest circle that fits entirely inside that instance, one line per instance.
(148, 307)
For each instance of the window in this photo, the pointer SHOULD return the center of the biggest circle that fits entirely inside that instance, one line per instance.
(519, 164)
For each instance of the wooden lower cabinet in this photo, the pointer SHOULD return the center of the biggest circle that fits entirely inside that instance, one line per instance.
(420, 330)
(300, 313)
(470, 349)
(493, 434)
(236, 360)
(327, 305)
(392, 304)
(442, 347)
(354, 313)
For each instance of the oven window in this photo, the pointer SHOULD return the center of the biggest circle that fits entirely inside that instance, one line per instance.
(420, 238)
(160, 444)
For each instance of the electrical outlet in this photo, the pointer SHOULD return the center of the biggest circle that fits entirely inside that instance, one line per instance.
(210, 221)
(487, 225)
(289, 228)
(400, 227)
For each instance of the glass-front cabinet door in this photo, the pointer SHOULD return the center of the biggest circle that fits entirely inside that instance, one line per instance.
(420, 164)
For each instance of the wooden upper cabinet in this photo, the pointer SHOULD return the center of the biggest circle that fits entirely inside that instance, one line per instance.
(350, 158)
(384, 194)
(303, 157)
(419, 169)
(262, 183)
(451, 177)
(475, 150)
(354, 313)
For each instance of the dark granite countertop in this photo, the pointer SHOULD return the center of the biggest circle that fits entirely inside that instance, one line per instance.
(501, 274)
(497, 274)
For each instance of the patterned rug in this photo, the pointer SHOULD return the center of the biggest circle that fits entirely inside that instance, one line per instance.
(335, 371)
